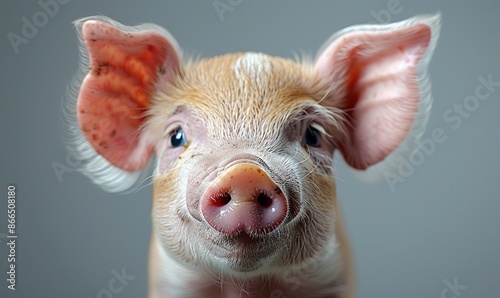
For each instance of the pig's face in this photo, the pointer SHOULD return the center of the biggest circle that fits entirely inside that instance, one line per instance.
(245, 109)
(244, 143)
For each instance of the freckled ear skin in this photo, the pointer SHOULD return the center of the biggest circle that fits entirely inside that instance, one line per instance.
(125, 66)
(377, 74)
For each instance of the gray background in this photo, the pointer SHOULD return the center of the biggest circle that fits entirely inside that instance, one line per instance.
(441, 223)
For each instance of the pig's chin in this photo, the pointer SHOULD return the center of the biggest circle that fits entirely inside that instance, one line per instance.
(242, 253)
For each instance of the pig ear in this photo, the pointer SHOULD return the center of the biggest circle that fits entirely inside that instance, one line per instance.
(377, 75)
(123, 67)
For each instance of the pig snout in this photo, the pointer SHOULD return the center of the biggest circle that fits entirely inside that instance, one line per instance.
(244, 200)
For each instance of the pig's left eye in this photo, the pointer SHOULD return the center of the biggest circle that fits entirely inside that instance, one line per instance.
(312, 136)
(177, 138)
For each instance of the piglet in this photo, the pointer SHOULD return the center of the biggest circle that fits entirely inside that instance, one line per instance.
(244, 200)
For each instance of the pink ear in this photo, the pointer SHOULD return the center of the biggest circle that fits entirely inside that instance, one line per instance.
(115, 94)
(376, 74)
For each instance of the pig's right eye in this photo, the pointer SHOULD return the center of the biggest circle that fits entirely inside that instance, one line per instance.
(312, 136)
(177, 138)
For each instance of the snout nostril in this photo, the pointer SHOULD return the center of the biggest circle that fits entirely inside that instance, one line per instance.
(264, 200)
(221, 199)
(243, 199)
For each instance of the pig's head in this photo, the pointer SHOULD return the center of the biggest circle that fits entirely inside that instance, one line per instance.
(244, 142)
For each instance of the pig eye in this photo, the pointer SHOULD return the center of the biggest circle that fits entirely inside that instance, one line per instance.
(312, 136)
(178, 138)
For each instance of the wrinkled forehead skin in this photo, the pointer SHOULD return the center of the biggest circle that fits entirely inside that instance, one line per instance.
(245, 96)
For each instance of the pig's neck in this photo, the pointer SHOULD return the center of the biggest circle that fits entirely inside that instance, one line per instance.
(171, 279)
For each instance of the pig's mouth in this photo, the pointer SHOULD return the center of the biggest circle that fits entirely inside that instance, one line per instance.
(242, 243)
(244, 252)
(244, 239)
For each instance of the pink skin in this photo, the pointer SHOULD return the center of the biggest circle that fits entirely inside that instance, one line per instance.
(116, 92)
(244, 200)
(382, 88)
